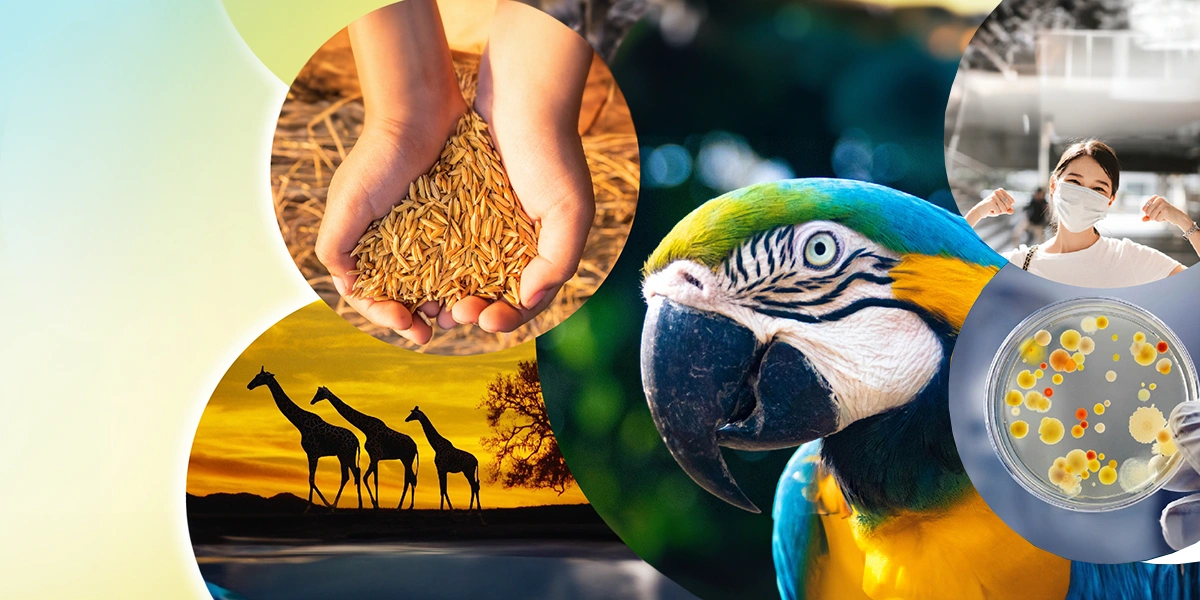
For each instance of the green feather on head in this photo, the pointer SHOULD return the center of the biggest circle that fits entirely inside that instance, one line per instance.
(897, 221)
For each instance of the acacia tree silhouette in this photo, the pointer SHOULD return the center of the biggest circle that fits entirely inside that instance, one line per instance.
(525, 451)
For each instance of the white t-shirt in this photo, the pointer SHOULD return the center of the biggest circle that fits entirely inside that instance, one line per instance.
(1109, 263)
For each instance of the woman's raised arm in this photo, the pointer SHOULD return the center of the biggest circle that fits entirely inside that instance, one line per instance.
(998, 202)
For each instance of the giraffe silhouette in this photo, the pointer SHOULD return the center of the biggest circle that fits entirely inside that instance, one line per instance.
(383, 443)
(449, 459)
(317, 438)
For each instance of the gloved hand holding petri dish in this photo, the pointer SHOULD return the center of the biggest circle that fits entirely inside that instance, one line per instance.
(1078, 399)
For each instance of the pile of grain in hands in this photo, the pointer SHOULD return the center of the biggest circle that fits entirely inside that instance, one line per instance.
(321, 121)
(460, 232)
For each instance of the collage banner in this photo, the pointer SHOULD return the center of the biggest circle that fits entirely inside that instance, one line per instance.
(647, 299)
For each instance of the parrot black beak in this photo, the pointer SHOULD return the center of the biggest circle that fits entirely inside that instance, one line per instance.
(793, 404)
(710, 383)
(693, 367)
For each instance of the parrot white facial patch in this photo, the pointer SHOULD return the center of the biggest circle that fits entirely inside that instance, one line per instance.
(824, 289)
(874, 360)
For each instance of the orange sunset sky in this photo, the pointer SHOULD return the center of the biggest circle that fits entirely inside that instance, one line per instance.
(244, 444)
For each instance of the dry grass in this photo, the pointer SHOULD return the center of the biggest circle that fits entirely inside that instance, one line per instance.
(460, 231)
(322, 118)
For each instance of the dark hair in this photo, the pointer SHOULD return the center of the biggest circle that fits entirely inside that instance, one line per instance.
(1103, 153)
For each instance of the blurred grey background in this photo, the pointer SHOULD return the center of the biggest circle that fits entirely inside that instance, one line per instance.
(1124, 535)
(1039, 74)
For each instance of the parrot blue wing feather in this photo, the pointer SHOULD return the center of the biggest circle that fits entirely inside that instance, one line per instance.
(220, 593)
(1134, 581)
(797, 537)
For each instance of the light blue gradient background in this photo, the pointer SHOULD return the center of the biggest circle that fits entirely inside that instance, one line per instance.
(139, 255)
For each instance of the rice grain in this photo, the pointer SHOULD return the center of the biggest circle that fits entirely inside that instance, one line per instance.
(454, 226)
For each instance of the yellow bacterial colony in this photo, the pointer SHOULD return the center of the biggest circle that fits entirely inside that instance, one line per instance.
(1060, 476)
(1102, 323)
(1076, 461)
(1050, 430)
(1026, 380)
(1164, 444)
(1098, 408)
(1036, 402)
(1014, 398)
(1019, 429)
(1069, 340)
(1067, 471)
(1032, 352)
(1057, 379)
(1145, 423)
(1108, 475)
(1143, 353)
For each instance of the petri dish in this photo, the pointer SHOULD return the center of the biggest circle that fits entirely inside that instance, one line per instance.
(1078, 397)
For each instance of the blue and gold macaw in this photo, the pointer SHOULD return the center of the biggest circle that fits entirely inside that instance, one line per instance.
(822, 313)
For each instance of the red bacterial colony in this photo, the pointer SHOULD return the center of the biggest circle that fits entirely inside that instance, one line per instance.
(1043, 365)
(1083, 423)
(1161, 347)
(1091, 455)
(1049, 392)
(1081, 414)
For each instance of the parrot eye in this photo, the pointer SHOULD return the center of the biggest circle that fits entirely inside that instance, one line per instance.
(820, 250)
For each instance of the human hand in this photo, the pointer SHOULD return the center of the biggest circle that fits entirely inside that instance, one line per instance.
(1156, 208)
(998, 202)
(374, 177)
(413, 105)
(1180, 519)
(530, 89)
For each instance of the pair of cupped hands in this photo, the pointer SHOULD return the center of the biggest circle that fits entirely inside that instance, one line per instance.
(531, 80)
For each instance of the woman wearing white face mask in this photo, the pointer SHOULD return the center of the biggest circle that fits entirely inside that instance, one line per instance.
(1082, 188)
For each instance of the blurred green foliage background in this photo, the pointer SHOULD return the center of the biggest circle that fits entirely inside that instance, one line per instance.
(725, 94)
